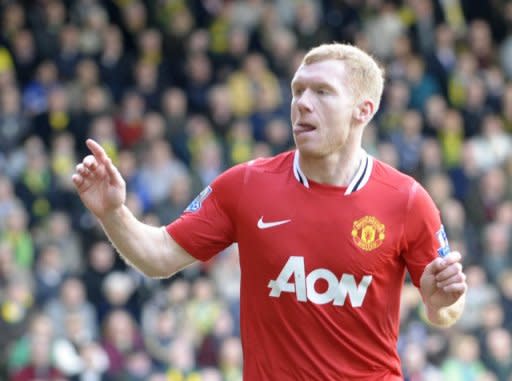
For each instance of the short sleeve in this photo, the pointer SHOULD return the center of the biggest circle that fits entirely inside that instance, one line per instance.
(207, 226)
(423, 233)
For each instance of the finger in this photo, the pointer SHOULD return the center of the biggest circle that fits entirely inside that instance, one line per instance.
(77, 180)
(439, 264)
(97, 150)
(452, 257)
(90, 162)
(458, 288)
(457, 278)
(435, 266)
(111, 169)
(101, 156)
(115, 176)
(82, 170)
(449, 271)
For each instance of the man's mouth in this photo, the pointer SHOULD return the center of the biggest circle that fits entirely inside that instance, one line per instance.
(303, 127)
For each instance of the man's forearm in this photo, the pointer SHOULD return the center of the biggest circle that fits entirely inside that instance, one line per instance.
(445, 316)
(149, 249)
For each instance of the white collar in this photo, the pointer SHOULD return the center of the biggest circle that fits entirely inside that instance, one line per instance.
(359, 180)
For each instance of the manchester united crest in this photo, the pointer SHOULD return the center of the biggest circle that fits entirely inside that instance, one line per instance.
(368, 233)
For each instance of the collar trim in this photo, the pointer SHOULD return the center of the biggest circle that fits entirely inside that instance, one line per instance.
(298, 172)
(358, 182)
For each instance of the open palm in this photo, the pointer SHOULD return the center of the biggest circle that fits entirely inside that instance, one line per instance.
(98, 182)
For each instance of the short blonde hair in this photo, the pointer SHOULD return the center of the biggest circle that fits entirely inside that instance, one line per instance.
(366, 76)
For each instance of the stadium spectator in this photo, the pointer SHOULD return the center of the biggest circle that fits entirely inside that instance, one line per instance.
(72, 300)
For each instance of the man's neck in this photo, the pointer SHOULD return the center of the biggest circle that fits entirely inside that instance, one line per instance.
(337, 169)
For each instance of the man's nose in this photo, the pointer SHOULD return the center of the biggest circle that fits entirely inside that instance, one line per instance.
(304, 101)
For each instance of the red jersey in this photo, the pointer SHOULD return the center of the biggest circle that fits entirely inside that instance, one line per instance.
(322, 266)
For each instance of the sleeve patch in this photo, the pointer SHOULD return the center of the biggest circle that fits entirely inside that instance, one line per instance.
(444, 246)
(195, 205)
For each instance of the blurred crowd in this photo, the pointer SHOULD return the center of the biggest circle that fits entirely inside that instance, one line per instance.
(177, 91)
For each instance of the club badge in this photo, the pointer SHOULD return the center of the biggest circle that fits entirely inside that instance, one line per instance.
(368, 233)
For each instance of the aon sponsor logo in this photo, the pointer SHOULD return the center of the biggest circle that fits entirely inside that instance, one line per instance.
(337, 292)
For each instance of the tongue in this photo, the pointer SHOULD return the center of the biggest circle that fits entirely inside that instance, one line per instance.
(307, 127)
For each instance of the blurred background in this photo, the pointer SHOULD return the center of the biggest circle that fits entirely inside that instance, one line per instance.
(177, 91)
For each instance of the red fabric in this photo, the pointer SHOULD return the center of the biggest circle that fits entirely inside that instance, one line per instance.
(29, 373)
(129, 132)
(312, 327)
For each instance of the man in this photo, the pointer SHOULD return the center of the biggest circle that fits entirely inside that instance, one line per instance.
(325, 235)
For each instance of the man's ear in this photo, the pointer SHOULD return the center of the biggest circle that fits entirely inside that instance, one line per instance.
(363, 112)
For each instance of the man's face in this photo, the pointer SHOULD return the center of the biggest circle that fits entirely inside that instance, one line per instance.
(321, 108)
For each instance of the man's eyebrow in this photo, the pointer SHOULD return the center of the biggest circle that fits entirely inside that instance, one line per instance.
(315, 81)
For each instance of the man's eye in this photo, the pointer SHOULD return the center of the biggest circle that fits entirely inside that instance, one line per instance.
(321, 92)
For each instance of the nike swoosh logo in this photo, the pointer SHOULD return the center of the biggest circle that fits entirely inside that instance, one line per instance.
(266, 225)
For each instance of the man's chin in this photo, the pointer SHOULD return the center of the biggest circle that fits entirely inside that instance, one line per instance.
(308, 149)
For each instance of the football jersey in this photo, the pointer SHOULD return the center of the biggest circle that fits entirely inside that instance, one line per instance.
(322, 267)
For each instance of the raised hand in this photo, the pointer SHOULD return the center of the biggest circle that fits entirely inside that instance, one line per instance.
(98, 182)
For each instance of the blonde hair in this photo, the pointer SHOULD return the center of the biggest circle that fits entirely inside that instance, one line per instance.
(366, 76)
